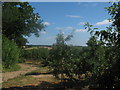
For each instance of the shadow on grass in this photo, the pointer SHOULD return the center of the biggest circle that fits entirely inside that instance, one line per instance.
(65, 85)
(37, 73)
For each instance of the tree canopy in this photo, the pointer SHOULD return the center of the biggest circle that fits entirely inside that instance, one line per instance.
(107, 51)
(20, 20)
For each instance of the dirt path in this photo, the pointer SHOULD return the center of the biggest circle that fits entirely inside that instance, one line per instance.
(40, 78)
(25, 68)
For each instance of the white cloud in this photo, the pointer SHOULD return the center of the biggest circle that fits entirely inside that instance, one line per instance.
(59, 28)
(104, 22)
(71, 28)
(43, 32)
(73, 16)
(47, 23)
(80, 30)
(81, 23)
(64, 28)
(63, 32)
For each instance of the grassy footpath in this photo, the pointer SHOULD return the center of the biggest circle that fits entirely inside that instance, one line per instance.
(39, 78)
(20, 81)
(33, 78)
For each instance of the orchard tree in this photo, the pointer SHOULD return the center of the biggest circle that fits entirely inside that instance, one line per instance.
(19, 20)
(107, 72)
(114, 11)
(68, 60)
(59, 54)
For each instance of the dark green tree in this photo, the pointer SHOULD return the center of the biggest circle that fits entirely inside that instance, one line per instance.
(59, 54)
(19, 20)
(68, 60)
(107, 51)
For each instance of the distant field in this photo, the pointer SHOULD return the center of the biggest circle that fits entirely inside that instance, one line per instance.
(37, 46)
(42, 46)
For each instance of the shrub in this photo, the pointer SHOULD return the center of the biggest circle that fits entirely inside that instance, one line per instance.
(10, 53)
(36, 54)
(68, 60)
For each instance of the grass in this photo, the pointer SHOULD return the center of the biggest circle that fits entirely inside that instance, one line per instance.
(41, 70)
(30, 79)
(33, 62)
(45, 83)
(41, 77)
(20, 81)
(13, 68)
(0, 67)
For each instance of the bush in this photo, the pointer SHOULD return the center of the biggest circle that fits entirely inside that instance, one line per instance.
(36, 54)
(10, 53)
(67, 60)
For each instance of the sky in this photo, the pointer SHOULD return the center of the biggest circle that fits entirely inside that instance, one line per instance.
(69, 0)
(69, 16)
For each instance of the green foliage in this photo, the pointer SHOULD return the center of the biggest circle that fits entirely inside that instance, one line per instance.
(101, 57)
(105, 55)
(36, 54)
(13, 68)
(19, 20)
(10, 53)
(67, 60)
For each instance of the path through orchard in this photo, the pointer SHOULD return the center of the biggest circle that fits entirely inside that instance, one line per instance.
(33, 77)
(25, 68)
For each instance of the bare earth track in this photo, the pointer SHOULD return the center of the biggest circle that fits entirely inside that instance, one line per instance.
(25, 68)
(44, 80)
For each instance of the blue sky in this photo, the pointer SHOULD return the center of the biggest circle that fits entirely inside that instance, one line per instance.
(67, 16)
(69, 0)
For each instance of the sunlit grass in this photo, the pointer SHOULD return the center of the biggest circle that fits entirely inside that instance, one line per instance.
(31, 79)
(20, 81)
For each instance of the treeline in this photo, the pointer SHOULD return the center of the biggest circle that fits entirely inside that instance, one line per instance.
(42, 46)
(30, 46)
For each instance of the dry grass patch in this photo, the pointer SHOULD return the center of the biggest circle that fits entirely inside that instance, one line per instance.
(20, 81)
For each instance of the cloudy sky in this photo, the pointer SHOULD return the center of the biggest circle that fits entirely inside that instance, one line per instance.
(69, 16)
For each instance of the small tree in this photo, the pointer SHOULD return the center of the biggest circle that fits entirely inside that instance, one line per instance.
(10, 53)
(67, 60)
(60, 54)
